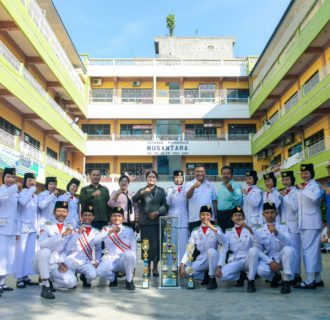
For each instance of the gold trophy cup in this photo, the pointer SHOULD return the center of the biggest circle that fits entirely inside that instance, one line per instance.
(190, 252)
(145, 249)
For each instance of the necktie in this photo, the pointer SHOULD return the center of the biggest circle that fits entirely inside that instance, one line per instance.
(129, 207)
(88, 230)
(249, 189)
(204, 229)
(239, 230)
(60, 227)
(179, 189)
(287, 191)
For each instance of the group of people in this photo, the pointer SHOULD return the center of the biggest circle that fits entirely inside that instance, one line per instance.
(235, 231)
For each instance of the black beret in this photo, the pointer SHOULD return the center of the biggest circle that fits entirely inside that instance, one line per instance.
(251, 173)
(61, 205)
(88, 207)
(269, 206)
(11, 171)
(307, 167)
(177, 173)
(73, 180)
(285, 174)
(117, 210)
(269, 175)
(238, 210)
(205, 209)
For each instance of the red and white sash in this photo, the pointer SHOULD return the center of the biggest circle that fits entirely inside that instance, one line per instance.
(118, 242)
(83, 241)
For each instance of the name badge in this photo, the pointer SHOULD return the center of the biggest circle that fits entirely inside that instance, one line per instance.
(25, 228)
(3, 221)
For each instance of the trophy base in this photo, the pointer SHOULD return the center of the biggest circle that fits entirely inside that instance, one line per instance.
(169, 282)
(145, 284)
(190, 285)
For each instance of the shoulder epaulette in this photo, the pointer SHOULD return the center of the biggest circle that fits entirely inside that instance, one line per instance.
(48, 223)
(258, 226)
(283, 222)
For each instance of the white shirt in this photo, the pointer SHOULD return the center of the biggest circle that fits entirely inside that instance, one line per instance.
(28, 210)
(46, 206)
(289, 209)
(73, 208)
(202, 196)
(178, 204)
(9, 210)
(252, 206)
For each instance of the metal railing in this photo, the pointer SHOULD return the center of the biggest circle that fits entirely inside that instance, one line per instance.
(38, 16)
(7, 138)
(186, 96)
(7, 54)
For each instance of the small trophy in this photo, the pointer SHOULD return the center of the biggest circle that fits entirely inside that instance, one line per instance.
(145, 249)
(190, 251)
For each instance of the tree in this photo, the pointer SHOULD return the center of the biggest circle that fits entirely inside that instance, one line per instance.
(170, 21)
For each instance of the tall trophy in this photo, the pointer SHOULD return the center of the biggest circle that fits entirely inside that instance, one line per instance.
(169, 237)
(145, 250)
(190, 252)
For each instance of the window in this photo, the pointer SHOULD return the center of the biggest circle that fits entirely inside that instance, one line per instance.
(103, 167)
(240, 131)
(237, 95)
(311, 83)
(10, 128)
(239, 168)
(136, 95)
(207, 92)
(96, 129)
(135, 169)
(295, 149)
(316, 137)
(200, 131)
(33, 142)
(273, 118)
(52, 153)
(276, 160)
(291, 102)
(102, 95)
(211, 168)
(137, 130)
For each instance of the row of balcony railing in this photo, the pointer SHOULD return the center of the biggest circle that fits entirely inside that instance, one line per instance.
(306, 88)
(7, 54)
(31, 152)
(146, 96)
(39, 18)
(170, 137)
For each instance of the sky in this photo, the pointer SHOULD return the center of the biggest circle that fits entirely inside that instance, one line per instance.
(127, 28)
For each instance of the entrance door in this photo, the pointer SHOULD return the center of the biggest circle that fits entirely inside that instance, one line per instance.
(174, 96)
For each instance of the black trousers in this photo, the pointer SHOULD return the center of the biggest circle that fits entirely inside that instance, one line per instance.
(224, 219)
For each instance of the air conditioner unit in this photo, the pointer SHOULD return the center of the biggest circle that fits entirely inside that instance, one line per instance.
(289, 139)
(261, 155)
(270, 152)
(97, 82)
(136, 83)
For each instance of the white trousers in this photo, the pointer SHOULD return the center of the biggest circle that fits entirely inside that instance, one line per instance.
(111, 264)
(296, 244)
(42, 266)
(204, 263)
(7, 255)
(24, 256)
(85, 268)
(311, 249)
(231, 271)
(287, 261)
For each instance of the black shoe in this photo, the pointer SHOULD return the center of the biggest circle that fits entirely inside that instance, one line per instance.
(113, 283)
(6, 288)
(20, 284)
(319, 284)
(206, 279)
(46, 293)
(275, 283)
(1, 290)
(29, 282)
(251, 287)
(155, 274)
(286, 288)
(304, 285)
(84, 281)
(240, 281)
(52, 289)
(130, 285)
(212, 284)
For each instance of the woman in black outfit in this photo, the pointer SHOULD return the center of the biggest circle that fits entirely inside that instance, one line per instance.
(152, 204)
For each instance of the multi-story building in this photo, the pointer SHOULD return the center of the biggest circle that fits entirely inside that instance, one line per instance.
(189, 105)
(43, 92)
(290, 92)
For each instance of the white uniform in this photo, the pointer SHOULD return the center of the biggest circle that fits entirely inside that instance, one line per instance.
(73, 205)
(46, 204)
(28, 229)
(120, 253)
(310, 224)
(80, 253)
(289, 215)
(245, 255)
(275, 248)
(52, 252)
(275, 197)
(209, 256)
(8, 229)
(252, 206)
(178, 207)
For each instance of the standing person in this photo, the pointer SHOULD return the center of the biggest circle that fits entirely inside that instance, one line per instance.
(228, 198)
(99, 196)
(271, 194)
(73, 201)
(178, 207)
(252, 204)
(28, 229)
(8, 224)
(153, 205)
(310, 223)
(289, 211)
(200, 192)
(123, 198)
(46, 201)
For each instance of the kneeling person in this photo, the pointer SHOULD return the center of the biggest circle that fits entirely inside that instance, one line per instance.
(120, 245)
(49, 259)
(244, 256)
(276, 251)
(206, 239)
(81, 247)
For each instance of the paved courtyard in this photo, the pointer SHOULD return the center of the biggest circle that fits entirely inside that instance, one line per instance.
(227, 302)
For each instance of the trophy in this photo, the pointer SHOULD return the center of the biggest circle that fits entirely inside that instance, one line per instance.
(145, 249)
(190, 252)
